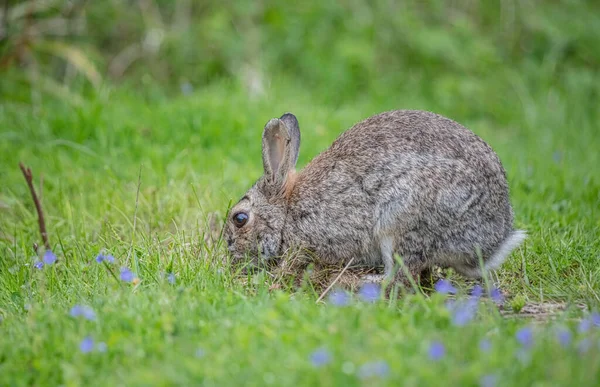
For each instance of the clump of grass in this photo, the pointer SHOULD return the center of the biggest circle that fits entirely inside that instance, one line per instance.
(302, 269)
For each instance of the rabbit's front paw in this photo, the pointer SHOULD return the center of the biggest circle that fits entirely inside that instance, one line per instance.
(373, 279)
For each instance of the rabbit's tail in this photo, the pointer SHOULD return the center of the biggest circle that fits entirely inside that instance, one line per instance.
(513, 241)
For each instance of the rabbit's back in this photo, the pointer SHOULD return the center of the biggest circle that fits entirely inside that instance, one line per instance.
(414, 181)
(402, 132)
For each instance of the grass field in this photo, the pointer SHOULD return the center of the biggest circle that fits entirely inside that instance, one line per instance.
(145, 173)
(198, 152)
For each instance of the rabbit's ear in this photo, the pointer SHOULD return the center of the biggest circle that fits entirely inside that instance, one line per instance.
(280, 146)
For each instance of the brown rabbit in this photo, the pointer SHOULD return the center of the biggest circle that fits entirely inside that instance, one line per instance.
(411, 183)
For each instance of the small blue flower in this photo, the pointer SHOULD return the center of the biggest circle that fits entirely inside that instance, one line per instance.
(88, 313)
(477, 291)
(83, 310)
(485, 345)
(444, 287)
(339, 297)
(489, 380)
(320, 357)
(464, 311)
(39, 265)
(101, 347)
(108, 258)
(595, 319)
(436, 351)
(171, 278)
(496, 295)
(525, 337)
(379, 368)
(200, 353)
(49, 257)
(126, 275)
(76, 311)
(564, 336)
(86, 345)
(585, 325)
(369, 292)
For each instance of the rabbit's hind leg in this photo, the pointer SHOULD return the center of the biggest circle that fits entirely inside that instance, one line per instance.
(386, 246)
(411, 264)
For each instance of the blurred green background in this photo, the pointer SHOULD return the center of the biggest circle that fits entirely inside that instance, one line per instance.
(481, 52)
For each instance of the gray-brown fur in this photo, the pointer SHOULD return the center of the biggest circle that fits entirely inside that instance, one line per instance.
(411, 183)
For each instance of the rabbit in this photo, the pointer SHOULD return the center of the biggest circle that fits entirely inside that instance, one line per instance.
(406, 182)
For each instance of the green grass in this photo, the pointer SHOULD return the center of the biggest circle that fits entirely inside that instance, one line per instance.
(199, 152)
(522, 75)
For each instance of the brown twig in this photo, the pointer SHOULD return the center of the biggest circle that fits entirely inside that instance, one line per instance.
(335, 280)
(38, 205)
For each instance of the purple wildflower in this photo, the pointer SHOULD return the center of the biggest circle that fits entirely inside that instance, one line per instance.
(436, 351)
(485, 345)
(39, 265)
(585, 325)
(76, 311)
(339, 297)
(49, 257)
(126, 275)
(496, 295)
(595, 319)
(489, 380)
(108, 258)
(464, 311)
(88, 313)
(564, 336)
(171, 278)
(525, 337)
(83, 310)
(320, 357)
(378, 368)
(477, 291)
(444, 287)
(86, 345)
(369, 292)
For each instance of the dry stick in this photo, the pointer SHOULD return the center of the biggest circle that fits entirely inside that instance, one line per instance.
(335, 280)
(38, 206)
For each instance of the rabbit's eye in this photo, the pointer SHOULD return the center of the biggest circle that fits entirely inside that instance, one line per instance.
(240, 219)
